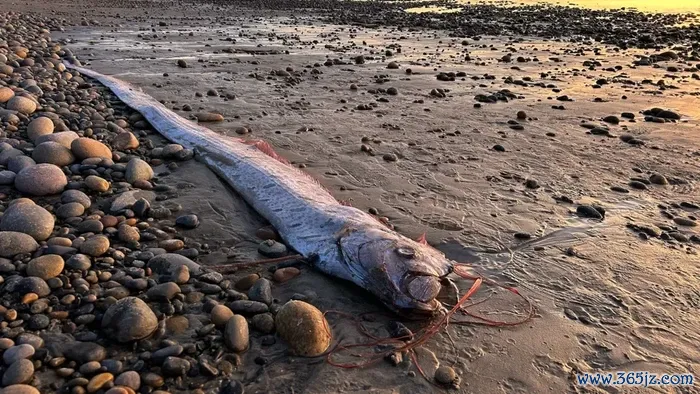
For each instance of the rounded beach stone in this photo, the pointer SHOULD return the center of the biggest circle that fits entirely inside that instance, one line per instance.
(125, 141)
(13, 243)
(21, 371)
(220, 315)
(130, 379)
(99, 381)
(129, 319)
(84, 148)
(64, 138)
(7, 177)
(304, 328)
(96, 183)
(29, 219)
(18, 163)
(41, 180)
(70, 210)
(138, 170)
(22, 104)
(46, 266)
(6, 94)
(445, 375)
(38, 127)
(70, 196)
(53, 153)
(95, 246)
(20, 389)
(236, 335)
(16, 353)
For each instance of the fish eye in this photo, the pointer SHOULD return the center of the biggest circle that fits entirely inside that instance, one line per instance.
(405, 251)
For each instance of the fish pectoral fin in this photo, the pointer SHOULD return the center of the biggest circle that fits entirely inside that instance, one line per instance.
(421, 240)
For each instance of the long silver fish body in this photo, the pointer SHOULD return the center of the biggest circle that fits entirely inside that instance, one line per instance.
(341, 241)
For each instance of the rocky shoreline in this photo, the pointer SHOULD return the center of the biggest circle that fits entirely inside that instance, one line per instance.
(97, 274)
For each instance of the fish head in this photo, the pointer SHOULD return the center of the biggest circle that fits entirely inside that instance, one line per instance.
(406, 275)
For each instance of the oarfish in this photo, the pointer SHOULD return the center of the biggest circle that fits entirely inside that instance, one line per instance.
(339, 240)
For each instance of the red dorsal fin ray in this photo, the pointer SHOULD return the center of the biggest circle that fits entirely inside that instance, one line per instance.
(421, 240)
(266, 148)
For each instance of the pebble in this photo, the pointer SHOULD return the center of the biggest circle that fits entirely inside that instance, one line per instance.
(175, 366)
(445, 375)
(138, 170)
(284, 274)
(168, 263)
(38, 127)
(187, 221)
(96, 183)
(46, 266)
(53, 153)
(13, 243)
(658, 179)
(236, 336)
(84, 352)
(163, 292)
(99, 381)
(130, 379)
(125, 141)
(95, 246)
(220, 315)
(261, 291)
(28, 218)
(70, 196)
(41, 180)
(272, 249)
(264, 322)
(209, 117)
(18, 352)
(22, 104)
(246, 282)
(129, 319)
(21, 371)
(681, 221)
(70, 210)
(20, 389)
(248, 307)
(6, 94)
(304, 328)
(84, 148)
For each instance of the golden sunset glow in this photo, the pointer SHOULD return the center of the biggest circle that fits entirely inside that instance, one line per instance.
(642, 5)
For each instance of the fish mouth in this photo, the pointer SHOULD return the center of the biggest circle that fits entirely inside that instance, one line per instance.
(421, 310)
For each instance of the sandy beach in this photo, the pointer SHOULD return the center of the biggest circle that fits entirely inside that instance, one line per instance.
(537, 160)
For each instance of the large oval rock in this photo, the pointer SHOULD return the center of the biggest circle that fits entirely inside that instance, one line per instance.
(22, 104)
(125, 141)
(304, 328)
(41, 180)
(220, 315)
(46, 267)
(53, 153)
(84, 148)
(38, 127)
(236, 335)
(13, 243)
(95, 246)
(30, 219)
(18, 163)
(84, 352)
(20, 389)
(6, 94)
(167, 264)
(64, 138)
(129, 319)
(30, 284)
(21, 371)
(138, 170)
(70, 196)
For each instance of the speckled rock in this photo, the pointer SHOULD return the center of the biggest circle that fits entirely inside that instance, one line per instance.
(53, 153)
(236, 335)
(46, 266)
(41, 180)
(304, 328)
(22, 104)
(138, 170)
(129, 319)
(13, 243)
(30, 219)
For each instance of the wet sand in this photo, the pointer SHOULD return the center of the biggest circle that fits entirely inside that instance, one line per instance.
(606, 299)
